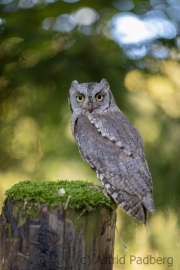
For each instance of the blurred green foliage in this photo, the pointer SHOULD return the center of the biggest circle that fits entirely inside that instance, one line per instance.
(37, 66)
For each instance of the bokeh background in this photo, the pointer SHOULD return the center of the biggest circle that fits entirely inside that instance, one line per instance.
(135, 45)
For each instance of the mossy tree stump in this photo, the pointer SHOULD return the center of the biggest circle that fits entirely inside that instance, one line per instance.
(57, 225)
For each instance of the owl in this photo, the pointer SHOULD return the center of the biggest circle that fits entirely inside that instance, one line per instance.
(112, 146)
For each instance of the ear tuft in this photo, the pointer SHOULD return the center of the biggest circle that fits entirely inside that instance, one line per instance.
(104, 82)
(74, 83)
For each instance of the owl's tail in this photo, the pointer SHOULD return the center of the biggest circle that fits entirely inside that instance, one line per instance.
(133, 205)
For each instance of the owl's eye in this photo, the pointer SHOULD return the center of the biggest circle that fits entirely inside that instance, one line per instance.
(80, 98)
(99, 97)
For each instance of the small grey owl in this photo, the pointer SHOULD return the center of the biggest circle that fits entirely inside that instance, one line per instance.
(112, 147)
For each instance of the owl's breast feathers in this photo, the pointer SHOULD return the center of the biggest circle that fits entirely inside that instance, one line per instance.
(114, 149)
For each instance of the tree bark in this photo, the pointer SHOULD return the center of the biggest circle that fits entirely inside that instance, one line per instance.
(57, 238)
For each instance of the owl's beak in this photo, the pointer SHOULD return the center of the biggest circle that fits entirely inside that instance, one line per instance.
(90, 106)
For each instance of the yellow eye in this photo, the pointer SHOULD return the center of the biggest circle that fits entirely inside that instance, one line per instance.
(99, 97)
(80, 98)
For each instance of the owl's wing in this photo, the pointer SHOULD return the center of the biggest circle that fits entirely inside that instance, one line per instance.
(125, 176)
(114, 126)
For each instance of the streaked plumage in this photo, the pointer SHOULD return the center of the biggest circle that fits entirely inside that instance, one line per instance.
(112, 147)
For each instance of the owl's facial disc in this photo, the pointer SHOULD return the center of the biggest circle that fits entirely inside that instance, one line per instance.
(89, 104)
(89, 96)
(91, 101)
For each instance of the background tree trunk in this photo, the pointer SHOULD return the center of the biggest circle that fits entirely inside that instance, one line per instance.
(56, 238)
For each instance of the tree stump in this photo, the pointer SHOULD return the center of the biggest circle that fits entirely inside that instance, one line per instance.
(61, 232)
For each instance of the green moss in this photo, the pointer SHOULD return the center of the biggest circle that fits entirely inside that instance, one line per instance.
(78, 194)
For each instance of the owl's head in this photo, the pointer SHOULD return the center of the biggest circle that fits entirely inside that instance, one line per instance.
(90, 96)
